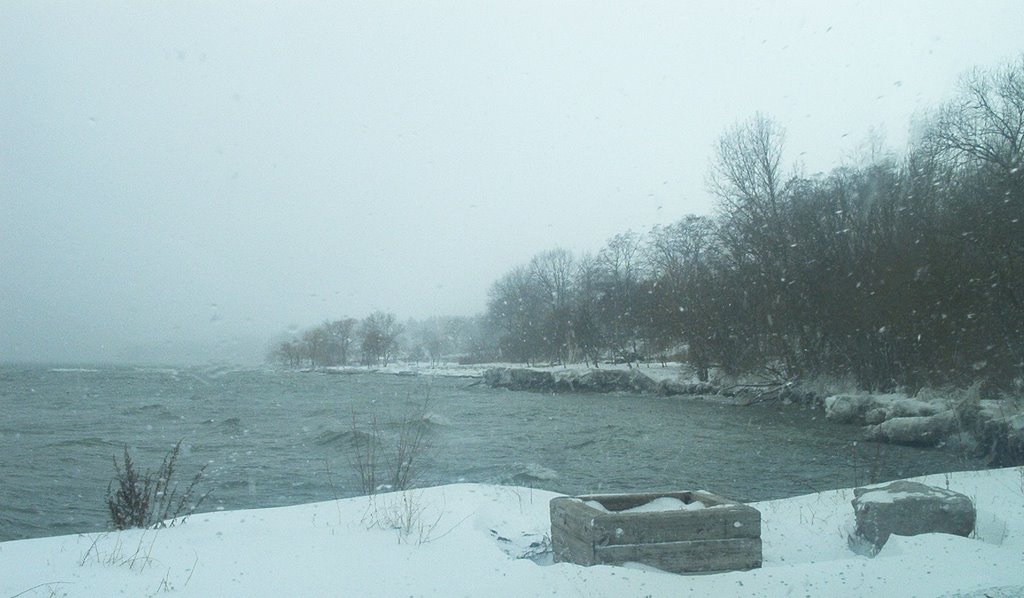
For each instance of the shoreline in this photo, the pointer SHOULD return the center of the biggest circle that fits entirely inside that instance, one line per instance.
(991, 429)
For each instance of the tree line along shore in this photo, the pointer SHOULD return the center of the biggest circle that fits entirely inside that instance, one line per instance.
(894, 272)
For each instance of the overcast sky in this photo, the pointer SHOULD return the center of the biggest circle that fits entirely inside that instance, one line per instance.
(182, 179)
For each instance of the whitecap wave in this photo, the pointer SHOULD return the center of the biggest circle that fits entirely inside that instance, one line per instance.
(524, 472)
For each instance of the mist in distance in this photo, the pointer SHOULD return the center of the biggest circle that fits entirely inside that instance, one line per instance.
(179, 182)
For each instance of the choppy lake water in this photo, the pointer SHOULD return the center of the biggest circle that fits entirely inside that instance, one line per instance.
(277, 438)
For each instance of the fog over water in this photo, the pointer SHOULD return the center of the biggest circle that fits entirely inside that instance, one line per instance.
(180, 181)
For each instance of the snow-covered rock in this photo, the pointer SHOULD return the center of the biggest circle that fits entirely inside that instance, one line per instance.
(875, 416)
(520, 379)
(993, 428)
(928, 430)
(999, 430)
(874, 409)
(907, 509)
(602, 381)
(587, 380)
(668, 388)
(848, 409)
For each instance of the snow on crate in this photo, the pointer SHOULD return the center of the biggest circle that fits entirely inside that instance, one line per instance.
(662, 503)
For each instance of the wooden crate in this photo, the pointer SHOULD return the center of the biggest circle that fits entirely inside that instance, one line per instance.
(722, 536)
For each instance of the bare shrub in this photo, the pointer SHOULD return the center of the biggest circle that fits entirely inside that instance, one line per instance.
(406, 514)
(151, 499)
(389, 463)
(364, 453)
(385, 459)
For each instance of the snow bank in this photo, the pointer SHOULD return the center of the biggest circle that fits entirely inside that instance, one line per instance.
(468, 540)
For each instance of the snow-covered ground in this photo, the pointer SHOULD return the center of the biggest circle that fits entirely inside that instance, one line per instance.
(470, 540)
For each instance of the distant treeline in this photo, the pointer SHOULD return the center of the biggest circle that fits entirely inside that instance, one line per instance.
(897, 271)
(900, 271)
(379, 339)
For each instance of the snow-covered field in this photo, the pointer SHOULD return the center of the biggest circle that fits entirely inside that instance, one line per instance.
(476, 540)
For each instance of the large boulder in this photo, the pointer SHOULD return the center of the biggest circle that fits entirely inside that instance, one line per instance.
(1000, 436)
(519, 379)
(874, 409)
(596, 380)
(927, 430)
(904, 407)
(612, 380)
(640, 382)
(668, 388)
(848, 409)
(876, 416)
(907, 509)
(601, 380)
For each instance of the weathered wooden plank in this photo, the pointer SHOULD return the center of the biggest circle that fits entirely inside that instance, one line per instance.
(687, 557)
(567, 547)
(712, 499)
(573, 507)
(572, 514)
(717, 523)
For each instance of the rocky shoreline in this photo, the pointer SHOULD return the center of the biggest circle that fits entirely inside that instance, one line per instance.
(987, 428)
(590, 381)
(993, 429)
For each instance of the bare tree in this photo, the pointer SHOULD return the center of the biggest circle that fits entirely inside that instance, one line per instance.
(684, 310)
(978, 141)
(288, 353)
(757, 239)
(620, 272)
(588, 330)
(746, 174)
(315, 342)
(552, 273)
(513, 316)
(340, 334)
(380, 331)
(985, 122)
